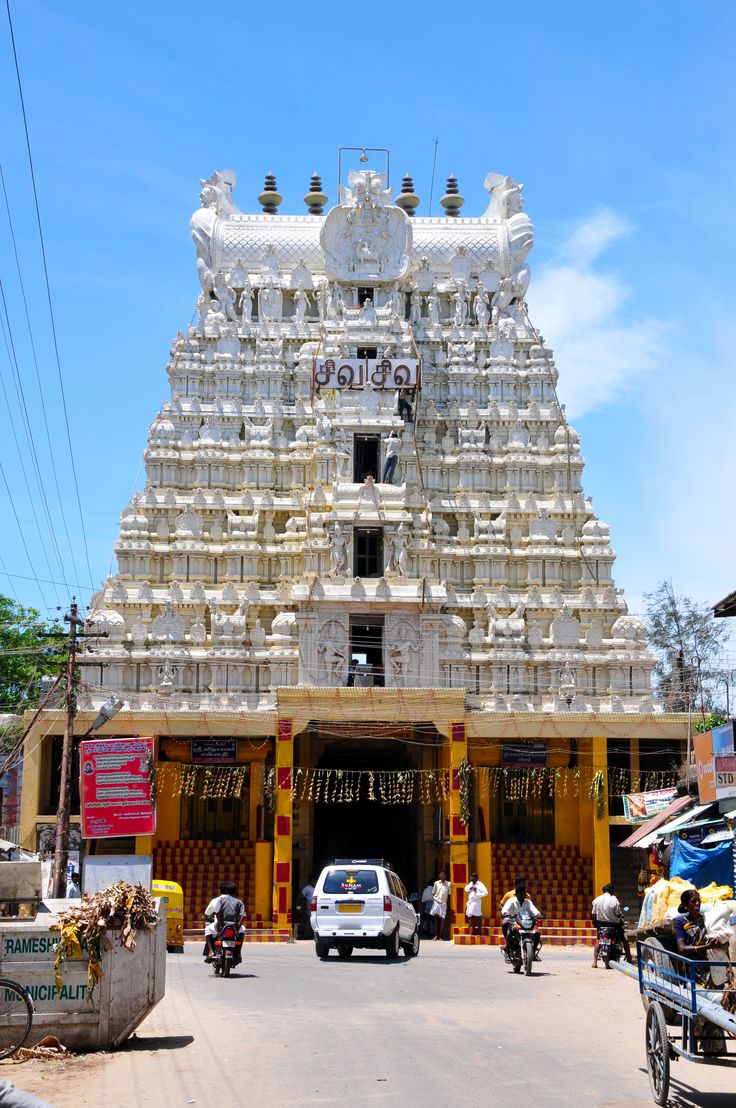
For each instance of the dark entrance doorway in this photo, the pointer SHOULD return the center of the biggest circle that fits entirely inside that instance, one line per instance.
(366, 456)
(525, 820)
(367, 828)
(366, 650)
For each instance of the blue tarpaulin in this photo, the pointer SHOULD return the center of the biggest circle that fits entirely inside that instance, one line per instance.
(701, 866)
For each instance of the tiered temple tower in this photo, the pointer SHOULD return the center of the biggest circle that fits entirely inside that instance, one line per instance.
(364, 563)
(267, 551)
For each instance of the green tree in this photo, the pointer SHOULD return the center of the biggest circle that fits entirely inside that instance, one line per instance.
(30, 648)
(688, 644)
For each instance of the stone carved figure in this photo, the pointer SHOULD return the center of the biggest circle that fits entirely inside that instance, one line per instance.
(396, 563)
(338, 552)
(335, 303)
(245, 302)
(333, 659)
(216, 202)
(565, 629)
(566, 683)
(400, 657)
(482, 311)
(321, 296)
(333, 651)
(166, 679)
(472, 438)
(512, 628)
(367, 313)
(226, 299)
(460, 302)
(169, 625)
(365, 235)
(301, 302)
(269, 304)
(415, 310)
(506, 206)
(433, 307)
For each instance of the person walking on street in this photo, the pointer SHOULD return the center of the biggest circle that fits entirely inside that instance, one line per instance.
(440, 896)
(475, 891)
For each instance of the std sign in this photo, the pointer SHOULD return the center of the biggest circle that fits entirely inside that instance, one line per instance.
(725, 772)
(115, 778)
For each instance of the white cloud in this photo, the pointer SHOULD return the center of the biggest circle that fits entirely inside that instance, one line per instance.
(582, 311)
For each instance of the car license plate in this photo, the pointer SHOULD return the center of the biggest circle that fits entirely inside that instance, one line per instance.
(228, 945)
(350, 906)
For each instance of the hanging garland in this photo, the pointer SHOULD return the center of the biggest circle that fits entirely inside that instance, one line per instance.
(464, 773)
(405, 786)
(176, 779)
(597, 793)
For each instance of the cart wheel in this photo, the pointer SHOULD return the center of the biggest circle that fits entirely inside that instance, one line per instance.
(658, 1053)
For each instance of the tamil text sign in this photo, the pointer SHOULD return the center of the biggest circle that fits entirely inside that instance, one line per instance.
(115, 788)
(518, 755)
(366, 373)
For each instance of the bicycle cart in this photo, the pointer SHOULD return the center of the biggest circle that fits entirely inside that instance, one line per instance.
(16, 1016)
(679, 989)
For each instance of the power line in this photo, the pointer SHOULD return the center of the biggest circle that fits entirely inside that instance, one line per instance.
(46, 581)
(22, 536)
(18, 381)
(31, 498)
(48, 294)
(38, 375)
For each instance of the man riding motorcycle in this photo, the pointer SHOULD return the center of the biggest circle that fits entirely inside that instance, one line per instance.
(225, 908)
(517, 905)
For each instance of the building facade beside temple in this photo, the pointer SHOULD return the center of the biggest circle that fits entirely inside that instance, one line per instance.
(363, 603)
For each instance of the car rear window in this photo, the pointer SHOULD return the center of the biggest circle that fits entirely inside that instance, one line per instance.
(351, 881)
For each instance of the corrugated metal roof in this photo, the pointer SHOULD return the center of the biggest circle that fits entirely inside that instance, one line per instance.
(725, 607)
(689, 819)
(679, 804)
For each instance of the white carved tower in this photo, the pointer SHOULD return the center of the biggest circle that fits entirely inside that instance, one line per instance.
(266, 550)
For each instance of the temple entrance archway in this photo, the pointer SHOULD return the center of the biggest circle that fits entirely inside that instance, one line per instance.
(364, 827)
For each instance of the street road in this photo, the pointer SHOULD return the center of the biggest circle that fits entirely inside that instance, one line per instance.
(451, 1027)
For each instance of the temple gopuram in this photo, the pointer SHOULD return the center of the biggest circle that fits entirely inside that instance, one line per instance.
(363, 603)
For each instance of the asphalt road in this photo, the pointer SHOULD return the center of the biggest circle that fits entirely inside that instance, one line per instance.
(451, 1027)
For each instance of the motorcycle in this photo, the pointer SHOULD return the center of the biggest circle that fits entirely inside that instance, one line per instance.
(228, 950)
(610, 947)
(522, 941)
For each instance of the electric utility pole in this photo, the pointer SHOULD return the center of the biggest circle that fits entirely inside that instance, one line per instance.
(61, 849)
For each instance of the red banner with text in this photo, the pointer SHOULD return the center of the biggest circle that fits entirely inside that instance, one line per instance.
(115, 788)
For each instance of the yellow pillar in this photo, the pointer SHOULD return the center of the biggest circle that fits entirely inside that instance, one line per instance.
(262, 907)
(34, 750)
(255, 798)
(282, 839)
(458, 829)
(484, 866)
(601, 831)
(144, 844)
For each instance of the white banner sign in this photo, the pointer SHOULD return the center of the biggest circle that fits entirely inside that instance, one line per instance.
(361, 373)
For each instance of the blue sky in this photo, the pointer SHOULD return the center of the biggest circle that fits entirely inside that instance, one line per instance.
(618, 119)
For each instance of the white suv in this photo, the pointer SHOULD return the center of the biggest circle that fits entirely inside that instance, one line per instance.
(362, 902)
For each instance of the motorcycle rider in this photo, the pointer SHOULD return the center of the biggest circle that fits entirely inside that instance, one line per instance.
(606, 911)
(225, 908)
(517, 905)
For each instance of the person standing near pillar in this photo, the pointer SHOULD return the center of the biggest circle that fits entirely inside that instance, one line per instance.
(440, 896)
(475, 891)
